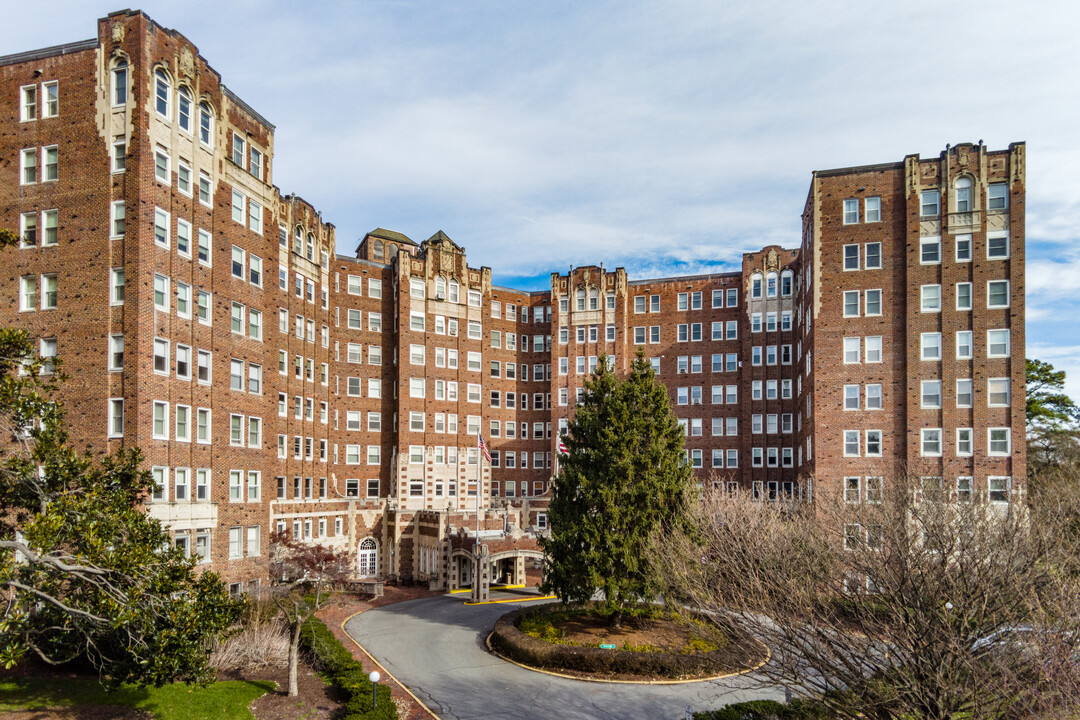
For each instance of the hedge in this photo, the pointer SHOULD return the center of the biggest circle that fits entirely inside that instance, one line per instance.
(766, 710)
(513, 643)
(345, 672)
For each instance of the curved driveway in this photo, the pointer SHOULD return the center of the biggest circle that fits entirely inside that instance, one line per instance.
(435, 646)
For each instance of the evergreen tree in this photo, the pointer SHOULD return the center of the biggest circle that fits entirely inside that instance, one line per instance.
(623, 481)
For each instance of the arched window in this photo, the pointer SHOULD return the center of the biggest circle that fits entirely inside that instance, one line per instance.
(377, 250)
(963, 194)
(440, 287)
(183, 109)
(206, 125)
(298, 240)
(367, 558)
(770, 285)
(755, 285)
(594, 299)
(310, 247)
(580, 295)
(120, 82)
(454, 291)
(787, 283)
(162, 94)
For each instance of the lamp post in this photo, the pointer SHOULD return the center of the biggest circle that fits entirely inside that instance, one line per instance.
(374, 678)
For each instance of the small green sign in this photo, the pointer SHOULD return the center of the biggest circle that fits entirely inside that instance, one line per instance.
(607, 647)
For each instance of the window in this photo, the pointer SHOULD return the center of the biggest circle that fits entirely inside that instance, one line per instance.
(851, 257)
(851, 397)
(161, 421)
(965, 446)
(930, 250)
(852, 349)
(851, 303)
(256, 163)
(873, 396)
(161, 227)
(964, 393)
(162, 94)
(997, 294)
(873, 349)
(116, 352)
(998, 489)
(931, 346)
(963, 195)
(116, 417)
(997, 196)
(931, 393)
(28, 165)
(963, 248)
(852, 489)
(931, 442)
(48, 292)
(997, 245)
(116, 286)
(930, 205)
(206, 125)
(872, 207)
(28, 293)
(161, 165)
(931, 298)
(28, 103)
(255, 217)
(238, 202)
(50, 95)
(873, 302)
(851, 211)
(851, 443)
(963, 296)
(963, 345)
(997, 343)
(998, 392)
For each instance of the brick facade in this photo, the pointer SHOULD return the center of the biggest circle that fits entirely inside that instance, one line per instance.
(273, 382)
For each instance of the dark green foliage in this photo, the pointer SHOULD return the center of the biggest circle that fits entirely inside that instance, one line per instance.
(513, 643)
(1053, 423)
(766, 710)
(623, 481)
(346, 673)
(85, 573)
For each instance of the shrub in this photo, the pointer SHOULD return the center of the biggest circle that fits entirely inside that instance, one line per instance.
(346, 673)
(766, 710)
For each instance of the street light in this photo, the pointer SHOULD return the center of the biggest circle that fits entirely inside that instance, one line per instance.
(374, 678)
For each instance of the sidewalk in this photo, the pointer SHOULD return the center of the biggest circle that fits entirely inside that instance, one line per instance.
(345, 606)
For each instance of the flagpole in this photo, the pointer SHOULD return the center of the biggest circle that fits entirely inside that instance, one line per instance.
(477, 596)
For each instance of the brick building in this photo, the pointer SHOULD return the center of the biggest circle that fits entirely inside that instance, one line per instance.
(273, 382)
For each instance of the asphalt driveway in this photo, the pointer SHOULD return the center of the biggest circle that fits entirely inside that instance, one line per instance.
(435, 646)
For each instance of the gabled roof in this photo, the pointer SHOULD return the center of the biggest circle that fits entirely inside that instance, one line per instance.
(390, 235)
(440, 238)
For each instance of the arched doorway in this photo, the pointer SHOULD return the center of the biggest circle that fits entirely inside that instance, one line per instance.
(367, 558)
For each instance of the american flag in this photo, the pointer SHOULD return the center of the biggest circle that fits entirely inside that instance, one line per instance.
(562, 447)
(483, 447)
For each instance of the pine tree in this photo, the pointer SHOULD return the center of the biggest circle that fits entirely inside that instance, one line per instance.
(623, 481)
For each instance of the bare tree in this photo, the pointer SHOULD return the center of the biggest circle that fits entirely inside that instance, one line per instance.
(300, 575)
(897, 599)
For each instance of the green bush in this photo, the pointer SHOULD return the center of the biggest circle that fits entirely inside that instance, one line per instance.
(766, 710)
(345, 672)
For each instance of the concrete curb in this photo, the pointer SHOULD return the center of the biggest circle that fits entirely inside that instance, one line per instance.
(768, 657)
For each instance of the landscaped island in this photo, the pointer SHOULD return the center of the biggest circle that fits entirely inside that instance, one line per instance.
(650, 644)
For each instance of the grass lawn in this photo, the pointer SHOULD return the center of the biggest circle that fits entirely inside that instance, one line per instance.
(227, 699)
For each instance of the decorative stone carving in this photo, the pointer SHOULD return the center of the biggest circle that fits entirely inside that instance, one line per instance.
(771, 262)
(187, 62)
(118, 33)
(585, 276)
(962, 157)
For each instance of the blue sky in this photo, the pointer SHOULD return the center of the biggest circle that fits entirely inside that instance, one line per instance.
(666, 137)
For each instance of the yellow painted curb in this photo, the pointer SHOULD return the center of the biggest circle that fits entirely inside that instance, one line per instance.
(768, 656)
(492, 587)
(510, 600)
(386, 672)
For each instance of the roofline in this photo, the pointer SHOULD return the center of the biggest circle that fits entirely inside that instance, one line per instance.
(677, 278)
(250, 110)
(361, 261)
(859, 169)
(53, 51)
(530, 293)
